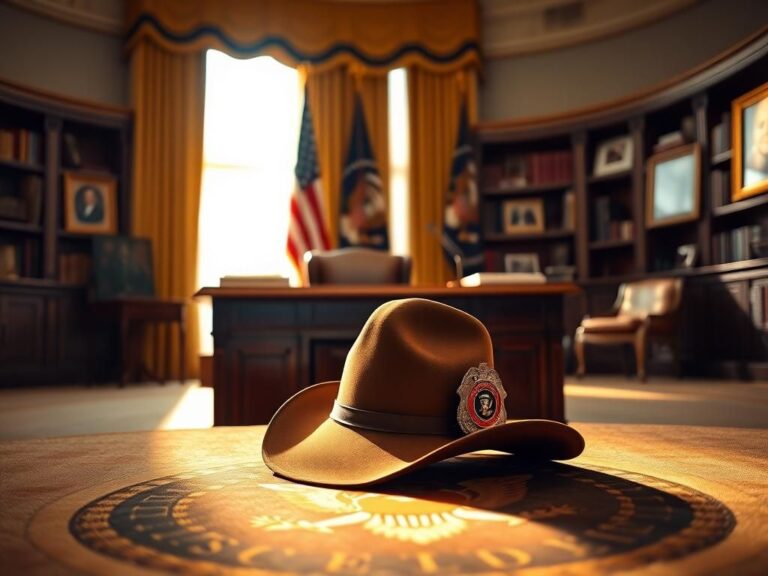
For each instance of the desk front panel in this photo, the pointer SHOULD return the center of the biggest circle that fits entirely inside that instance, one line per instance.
(268, 349)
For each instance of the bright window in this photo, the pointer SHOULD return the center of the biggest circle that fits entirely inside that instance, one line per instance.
(252, 117)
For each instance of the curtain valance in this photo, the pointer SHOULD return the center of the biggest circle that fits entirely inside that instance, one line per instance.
(436, 34)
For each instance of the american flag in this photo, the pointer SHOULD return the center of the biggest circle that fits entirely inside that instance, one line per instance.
(307, 228)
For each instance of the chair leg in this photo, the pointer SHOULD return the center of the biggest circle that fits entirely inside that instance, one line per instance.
(640, 354)
(578, 348)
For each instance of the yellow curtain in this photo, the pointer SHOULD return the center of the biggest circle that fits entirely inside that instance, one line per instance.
(437, 34)
(434, 101)
(167, 94)
(331, 98)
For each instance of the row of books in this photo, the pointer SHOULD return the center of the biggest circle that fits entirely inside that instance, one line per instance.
(735, 245)
(20, 145)
(74, 268)
(720, 187)
(19, 259)
(533, 169)
(611, 221)
(721, 135)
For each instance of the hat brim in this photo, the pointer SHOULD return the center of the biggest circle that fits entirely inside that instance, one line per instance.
(302, 443)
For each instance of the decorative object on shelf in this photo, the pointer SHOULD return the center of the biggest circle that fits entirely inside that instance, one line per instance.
(673, 186)
(686, 256)
(9, 269)
(524, 216)
(527, 263)
(122, 266)
(668, 141)
(614, 155)
(750, 143)
(71, 151)
(90, 204)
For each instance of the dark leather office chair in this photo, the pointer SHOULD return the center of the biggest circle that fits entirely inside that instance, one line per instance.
(644, 310)
(356, 266)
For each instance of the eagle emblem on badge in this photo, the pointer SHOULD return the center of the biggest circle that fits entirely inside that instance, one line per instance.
(481, 400)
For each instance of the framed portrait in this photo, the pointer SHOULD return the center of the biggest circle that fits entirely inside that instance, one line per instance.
(89, 203)
(614, 155)
(750, 144)
(527, 263)
(524, 216)
(673, 179)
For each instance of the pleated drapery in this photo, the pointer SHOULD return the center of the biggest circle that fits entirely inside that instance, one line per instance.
(167, 94)
(434, 100)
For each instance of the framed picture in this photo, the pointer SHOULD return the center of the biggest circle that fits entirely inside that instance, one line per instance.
(122, 266)
(524, 216)
(527, 263)
(90, 203)
(614, 155)
(673, 178)
(750, 144)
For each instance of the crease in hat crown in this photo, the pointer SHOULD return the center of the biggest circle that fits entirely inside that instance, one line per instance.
(403, 370)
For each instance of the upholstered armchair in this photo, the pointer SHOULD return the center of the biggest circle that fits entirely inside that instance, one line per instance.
(356, 266)
(644, 310)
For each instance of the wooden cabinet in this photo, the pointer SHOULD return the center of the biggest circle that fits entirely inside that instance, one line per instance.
(44, 264)
(610, 242)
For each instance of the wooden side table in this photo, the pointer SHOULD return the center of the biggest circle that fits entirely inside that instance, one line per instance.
(133, 314)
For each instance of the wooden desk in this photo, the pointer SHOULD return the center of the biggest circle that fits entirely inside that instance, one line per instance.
(661, 500)
(270, 343)
(133, 314)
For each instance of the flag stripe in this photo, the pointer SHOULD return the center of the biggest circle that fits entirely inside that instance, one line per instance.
(307, 228)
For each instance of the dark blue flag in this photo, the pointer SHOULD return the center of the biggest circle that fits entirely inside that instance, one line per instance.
(363, 214)
(461, 227)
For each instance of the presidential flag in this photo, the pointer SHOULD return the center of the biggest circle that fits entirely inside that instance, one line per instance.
(363, 213)
(307, 229)
(461, 227)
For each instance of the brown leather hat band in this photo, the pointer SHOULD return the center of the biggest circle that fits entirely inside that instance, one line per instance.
(392, 423)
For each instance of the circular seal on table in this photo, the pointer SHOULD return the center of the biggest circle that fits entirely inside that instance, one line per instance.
(467, 515)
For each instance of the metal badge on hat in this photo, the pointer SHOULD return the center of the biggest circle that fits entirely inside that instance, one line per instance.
(481, 403)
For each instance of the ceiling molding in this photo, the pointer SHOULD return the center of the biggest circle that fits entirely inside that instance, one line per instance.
(100, 15)
(512, 27)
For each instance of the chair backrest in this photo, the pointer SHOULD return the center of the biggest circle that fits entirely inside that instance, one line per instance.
(657, 296)
(356, 266)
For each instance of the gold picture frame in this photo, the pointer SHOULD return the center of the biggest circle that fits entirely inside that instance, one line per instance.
(749, 173)
(90, 203)
(673, 193)
(523, 216)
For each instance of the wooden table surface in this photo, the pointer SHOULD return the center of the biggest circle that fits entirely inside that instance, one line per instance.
(641, 499)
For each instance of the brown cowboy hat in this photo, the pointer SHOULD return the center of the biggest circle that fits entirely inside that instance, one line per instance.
(409, 395)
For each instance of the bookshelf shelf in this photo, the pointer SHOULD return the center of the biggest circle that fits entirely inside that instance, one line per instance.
(721, 158)
(740, 206)
(623, 175)
(611, 244)
(549, 235)
(11, 225)
(527, 190)
(22, 166)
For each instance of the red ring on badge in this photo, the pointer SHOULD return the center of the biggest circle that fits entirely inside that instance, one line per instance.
(476, 389)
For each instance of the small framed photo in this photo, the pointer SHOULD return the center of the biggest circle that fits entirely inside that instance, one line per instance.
(673, 181)
(527, 263)
(614, 155)
(90, 203)
(750, 144)
(524, 216)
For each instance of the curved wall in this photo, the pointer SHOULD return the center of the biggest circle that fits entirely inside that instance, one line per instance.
(61, 58)
(586, 74)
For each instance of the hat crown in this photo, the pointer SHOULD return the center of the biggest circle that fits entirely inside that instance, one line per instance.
(410, 358)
